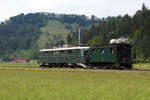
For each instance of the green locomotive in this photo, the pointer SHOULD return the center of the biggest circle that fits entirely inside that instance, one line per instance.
(104, 56)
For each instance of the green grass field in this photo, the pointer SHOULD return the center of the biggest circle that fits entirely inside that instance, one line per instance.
(31, 63)
(69, 84)
(144, 66)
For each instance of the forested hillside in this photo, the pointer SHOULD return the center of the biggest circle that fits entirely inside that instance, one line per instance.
(136, 28)
(23, 35)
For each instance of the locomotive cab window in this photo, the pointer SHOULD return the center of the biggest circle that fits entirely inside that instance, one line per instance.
(111, 50)
(102, 51)
(93, 51)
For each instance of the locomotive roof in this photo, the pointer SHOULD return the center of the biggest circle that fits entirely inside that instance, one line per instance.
(58, 49)
(109, 45)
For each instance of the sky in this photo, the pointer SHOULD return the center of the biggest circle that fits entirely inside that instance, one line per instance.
(99, 8)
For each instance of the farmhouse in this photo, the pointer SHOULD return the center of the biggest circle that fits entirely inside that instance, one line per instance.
(17, 60)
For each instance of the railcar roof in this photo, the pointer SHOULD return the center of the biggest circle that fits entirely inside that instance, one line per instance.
(69, 48)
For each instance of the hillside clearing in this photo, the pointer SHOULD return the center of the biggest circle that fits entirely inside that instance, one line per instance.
(53, 28)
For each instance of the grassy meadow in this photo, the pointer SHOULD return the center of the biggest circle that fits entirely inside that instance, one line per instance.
(31, 63)
(143, 66)
(71, 84)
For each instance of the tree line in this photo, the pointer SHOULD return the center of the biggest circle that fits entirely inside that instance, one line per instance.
(21, 32)
(136, 28)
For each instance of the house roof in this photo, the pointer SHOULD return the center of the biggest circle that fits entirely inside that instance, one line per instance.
(20, 59)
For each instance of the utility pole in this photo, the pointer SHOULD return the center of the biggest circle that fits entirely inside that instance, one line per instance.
(79, 37)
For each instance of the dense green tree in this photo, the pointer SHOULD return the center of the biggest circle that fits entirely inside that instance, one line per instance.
(69, 39)
(144, 7)
(20, 33)
(97, 40)
(135, 28)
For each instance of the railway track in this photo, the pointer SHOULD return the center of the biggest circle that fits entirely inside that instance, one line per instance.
(95, 69)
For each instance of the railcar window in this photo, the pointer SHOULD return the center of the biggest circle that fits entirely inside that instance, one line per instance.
(57, 52)
(53, 52)
(46, 53)
(61, 52)
(49, 52)
(70, 51)
(43, 53)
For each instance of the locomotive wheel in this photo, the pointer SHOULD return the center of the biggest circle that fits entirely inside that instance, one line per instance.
(129, 66)
(126, 66)
(43, 65)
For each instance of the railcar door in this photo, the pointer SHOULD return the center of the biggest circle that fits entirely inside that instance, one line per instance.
(86, 55)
